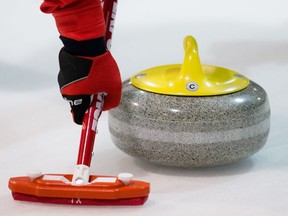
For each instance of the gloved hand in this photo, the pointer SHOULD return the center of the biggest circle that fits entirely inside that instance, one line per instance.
(81, 77)
(86, 68)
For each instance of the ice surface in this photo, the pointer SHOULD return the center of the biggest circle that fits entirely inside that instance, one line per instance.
(36, 131)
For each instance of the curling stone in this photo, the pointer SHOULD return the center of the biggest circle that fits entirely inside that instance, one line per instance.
(190, 115)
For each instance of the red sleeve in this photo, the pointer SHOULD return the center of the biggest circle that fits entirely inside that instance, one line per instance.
(77, 19)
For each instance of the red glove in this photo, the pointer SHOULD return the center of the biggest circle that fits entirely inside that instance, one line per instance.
(81, 22)
(89, 76)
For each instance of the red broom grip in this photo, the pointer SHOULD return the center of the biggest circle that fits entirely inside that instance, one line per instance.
(109, 9)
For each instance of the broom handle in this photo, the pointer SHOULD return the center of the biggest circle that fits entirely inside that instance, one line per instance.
(89, 126)
(89, 130)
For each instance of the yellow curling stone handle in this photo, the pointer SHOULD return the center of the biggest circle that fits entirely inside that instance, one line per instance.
(191, 78)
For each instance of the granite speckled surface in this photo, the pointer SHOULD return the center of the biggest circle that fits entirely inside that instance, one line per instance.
(190, 131)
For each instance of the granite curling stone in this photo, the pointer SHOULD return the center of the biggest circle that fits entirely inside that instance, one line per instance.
(190, 115)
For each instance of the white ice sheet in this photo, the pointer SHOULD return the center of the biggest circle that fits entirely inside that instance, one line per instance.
(36, 131)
